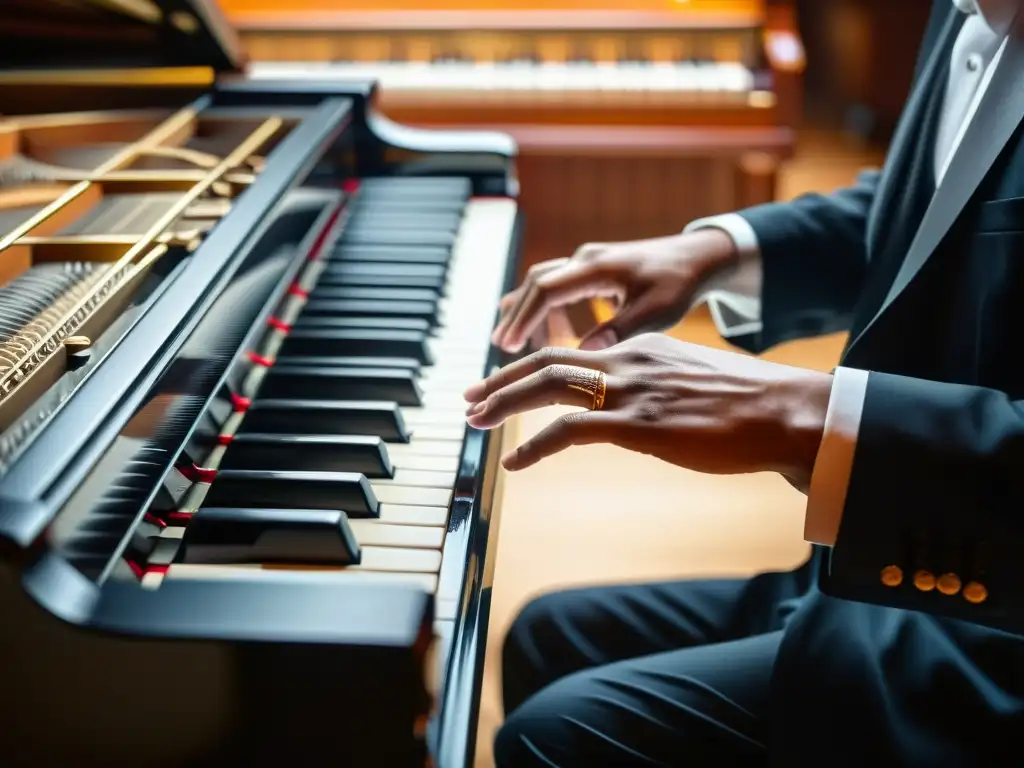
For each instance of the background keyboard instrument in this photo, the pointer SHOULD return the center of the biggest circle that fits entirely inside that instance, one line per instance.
(241, 516)
(631, 118)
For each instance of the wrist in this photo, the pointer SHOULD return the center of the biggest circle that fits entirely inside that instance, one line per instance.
(711, 248)
(804, 400)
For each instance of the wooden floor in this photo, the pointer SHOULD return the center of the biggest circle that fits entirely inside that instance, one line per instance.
(598, 514)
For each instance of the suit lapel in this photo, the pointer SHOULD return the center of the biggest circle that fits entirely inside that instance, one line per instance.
(998, 116)
(908, 125)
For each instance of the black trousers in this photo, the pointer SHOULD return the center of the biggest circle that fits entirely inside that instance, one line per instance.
(668, 674)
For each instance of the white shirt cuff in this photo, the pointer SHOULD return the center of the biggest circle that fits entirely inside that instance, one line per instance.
(830, 478)
(734, 297)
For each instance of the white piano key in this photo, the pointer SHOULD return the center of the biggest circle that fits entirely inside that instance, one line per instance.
(419, 478)
(399, 559)
(425, 446)
(410, 514)
(423, 462)
(440, 433)
(405, 494)
(443, 398)
(371, 533)
(435, 416)
(256, 572)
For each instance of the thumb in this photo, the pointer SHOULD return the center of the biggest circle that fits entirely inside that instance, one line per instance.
(626, 321)
(602, 337)
(641, 314)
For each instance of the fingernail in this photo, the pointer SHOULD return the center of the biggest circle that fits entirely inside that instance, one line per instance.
(475, 392)
(600, 340)
(475, 408)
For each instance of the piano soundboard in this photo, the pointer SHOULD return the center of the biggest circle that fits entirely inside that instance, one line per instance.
(241, 514)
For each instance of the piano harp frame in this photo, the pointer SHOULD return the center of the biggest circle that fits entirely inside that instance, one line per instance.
(129, 257)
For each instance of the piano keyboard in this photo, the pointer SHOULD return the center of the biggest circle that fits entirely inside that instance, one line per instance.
(347, 455)
(484, 79)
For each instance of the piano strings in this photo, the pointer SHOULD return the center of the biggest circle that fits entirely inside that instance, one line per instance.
(128, 214)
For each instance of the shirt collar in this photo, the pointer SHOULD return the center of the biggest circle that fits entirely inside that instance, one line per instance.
(998, 15)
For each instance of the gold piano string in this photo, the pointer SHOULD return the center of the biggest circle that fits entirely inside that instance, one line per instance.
(47, 344)
(195, 157)
(14, 124)
(13, 435)
(162, 132)
(172, 177)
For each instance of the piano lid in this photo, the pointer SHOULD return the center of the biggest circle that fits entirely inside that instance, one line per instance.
(115, 34)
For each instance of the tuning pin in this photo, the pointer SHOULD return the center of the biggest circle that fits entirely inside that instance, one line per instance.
(77, 348)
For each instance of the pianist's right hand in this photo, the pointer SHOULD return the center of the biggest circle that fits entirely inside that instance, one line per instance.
(652, 284)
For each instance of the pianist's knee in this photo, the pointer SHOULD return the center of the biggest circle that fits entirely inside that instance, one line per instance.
(531, 646)
(543, 732)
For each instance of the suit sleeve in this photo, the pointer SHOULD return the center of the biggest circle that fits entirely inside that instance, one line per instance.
(932, 516)
(813, 257)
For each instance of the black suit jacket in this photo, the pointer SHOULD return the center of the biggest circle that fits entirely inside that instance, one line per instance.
(872, 672)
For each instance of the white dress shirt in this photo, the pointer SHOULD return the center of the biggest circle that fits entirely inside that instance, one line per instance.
(735, 299)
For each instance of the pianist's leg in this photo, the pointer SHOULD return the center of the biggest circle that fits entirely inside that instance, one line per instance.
(644, 674)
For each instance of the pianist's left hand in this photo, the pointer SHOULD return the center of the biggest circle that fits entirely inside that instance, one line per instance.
(704, 409)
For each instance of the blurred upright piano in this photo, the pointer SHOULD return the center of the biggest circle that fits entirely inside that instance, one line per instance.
(632, 118)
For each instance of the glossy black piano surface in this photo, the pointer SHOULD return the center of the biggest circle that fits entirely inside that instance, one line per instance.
(241, 516)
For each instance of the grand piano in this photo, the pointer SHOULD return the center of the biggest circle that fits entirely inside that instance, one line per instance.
(241, 516)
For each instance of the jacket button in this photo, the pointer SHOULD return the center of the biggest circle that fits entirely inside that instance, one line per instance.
(948, 584)
(892, 576)
(975, 592)
(924, 581)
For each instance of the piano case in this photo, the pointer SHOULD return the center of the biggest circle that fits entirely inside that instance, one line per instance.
(241, 517)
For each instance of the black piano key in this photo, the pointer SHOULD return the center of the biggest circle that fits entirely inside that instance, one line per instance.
(405, 363)
(295, 382)
(142, 541)
(425, 310)
(381, 274)
(369, 293)
(227, 535)
(309, 453)
(171, 493)
(362, 323)
(362, 236)
(386, 272)
(391, 254)
(327, 417)
(266, 489)
(356, 342)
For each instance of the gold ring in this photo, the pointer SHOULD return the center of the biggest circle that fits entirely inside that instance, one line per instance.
(600, 392)
(590, 382)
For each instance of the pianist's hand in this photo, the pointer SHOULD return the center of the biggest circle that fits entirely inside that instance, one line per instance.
(704, 409)
(652, 283)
